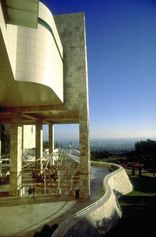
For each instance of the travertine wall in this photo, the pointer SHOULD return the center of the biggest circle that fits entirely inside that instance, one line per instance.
(71, 28)
(102, 215)
(15, 158)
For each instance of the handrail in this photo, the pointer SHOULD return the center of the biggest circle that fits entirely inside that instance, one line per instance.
(76, 217)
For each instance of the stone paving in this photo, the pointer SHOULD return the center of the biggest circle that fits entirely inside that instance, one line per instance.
(23, 217)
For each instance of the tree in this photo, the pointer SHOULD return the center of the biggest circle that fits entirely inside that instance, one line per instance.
(146, 153)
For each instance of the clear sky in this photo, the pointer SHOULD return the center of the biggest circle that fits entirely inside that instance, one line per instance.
(121, 47)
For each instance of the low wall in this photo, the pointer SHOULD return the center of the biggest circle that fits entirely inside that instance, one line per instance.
(101, 216)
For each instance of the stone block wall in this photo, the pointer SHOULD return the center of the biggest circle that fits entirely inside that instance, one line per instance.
(71, 28)
(15, 158)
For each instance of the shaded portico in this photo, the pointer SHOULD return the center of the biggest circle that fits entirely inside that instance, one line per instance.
(38, 116)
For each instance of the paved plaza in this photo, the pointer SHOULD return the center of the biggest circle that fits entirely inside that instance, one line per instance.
(22, 217)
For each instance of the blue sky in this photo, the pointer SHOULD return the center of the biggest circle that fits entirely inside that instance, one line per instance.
(121, 48)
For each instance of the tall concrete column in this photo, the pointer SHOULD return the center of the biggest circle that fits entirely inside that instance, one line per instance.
(51, 138)
(39, 143)
(84, 159)
(0, 152)
(15, 159)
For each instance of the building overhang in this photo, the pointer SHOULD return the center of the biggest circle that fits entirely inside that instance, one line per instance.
(47, 114)
(21, 12)
(21, 93)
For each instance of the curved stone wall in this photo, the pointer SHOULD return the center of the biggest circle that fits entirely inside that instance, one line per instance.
(101, 216)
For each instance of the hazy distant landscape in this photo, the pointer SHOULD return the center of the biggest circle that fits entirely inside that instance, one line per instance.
(111, 145)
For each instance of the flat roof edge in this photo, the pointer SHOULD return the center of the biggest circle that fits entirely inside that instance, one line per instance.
(24, 13)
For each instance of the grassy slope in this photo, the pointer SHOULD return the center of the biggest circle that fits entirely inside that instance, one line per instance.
(139, 210)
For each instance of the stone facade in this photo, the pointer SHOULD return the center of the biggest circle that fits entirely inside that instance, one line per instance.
(73, 39)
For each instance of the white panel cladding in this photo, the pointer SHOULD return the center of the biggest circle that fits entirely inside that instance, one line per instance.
(47, 16)
(29, 132)
(9, 33)
(38, 59)
(35, 55)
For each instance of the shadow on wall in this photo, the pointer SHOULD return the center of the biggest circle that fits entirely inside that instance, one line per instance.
(85, 228)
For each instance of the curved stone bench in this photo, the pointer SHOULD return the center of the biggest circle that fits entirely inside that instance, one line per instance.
(99, 217)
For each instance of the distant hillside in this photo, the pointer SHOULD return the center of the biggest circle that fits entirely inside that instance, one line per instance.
(110, 145)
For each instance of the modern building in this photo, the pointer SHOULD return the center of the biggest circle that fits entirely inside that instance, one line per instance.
(43, 80)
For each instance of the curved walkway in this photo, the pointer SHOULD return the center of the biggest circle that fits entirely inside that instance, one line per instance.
(23, 217)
